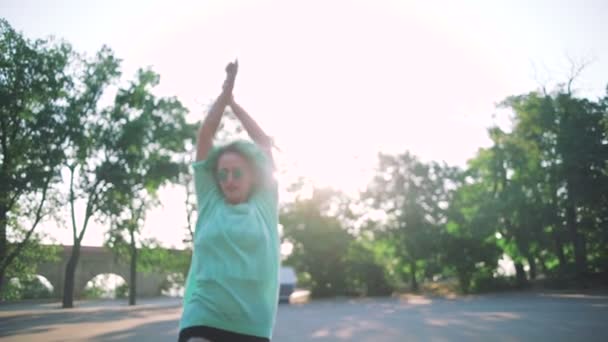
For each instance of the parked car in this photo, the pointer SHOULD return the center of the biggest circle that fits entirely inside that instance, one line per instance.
(288, 281)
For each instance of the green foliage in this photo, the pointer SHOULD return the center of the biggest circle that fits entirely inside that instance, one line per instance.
(26, 287)
(93, 292)
(412, 194)
(365, 275)
(117, 157)
(105, 286)
(320, 243)
(33, 288)
(142, 141)
(11, 291)
(483, 282)
(538, 195)
(32, 255)
(153, 258)
(556, 155)
(328, 259)
(34, 83)
(24, 284)
(469, 236)
(122, 291)
(87, 153)
(174, 283)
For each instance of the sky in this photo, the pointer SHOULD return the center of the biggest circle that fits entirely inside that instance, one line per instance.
(335, 82)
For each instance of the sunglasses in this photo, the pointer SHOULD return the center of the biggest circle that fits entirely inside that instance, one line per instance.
(223, 174)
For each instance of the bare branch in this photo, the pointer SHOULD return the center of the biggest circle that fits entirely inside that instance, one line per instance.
(11, 202)
(541, 80)
(576, 68)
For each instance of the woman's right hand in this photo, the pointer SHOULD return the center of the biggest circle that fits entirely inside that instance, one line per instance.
(231, 71)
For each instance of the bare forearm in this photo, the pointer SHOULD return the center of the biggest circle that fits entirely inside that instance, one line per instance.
(210, 126)
(253, 129)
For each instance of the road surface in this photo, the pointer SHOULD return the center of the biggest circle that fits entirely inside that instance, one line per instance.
(504, 317)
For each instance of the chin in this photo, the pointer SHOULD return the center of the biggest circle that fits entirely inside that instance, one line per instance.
(235, 200)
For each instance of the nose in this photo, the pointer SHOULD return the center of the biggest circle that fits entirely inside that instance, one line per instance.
(230, 182)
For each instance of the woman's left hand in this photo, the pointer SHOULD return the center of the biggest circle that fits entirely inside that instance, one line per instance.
(231, 71)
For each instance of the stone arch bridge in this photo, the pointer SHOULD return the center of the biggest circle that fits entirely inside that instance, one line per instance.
(92, 262)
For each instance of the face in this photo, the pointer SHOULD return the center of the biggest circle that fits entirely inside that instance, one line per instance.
(235, 176)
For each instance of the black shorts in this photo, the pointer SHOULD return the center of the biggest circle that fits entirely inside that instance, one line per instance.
(217, 335)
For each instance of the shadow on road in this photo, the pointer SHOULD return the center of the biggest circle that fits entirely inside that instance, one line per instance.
(40, 320)
(516, 317)
(155, 331)
(505, 317)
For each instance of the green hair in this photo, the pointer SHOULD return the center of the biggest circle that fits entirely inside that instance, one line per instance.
(247, 149)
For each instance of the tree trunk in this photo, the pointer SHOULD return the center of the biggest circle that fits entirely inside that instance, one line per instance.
(413, 277)
(133, 271)
(523, 244)
(543, 265)
(520, 274)
(70, 272)
(559, 251)
(1, 282)
(464, 280)
(3, 245)
(578, 240)
(557, 224)
(532, 264)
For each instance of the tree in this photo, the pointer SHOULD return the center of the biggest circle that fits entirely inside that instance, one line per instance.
(143, 144)
(320, 242)
(24, 268)
(513, 174)
(87, 157)
(33, 84)
(411, 194)
(468, 240)
(562, 167)
(367, 273)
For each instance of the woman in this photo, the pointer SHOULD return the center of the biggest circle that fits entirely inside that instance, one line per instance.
(232, 286)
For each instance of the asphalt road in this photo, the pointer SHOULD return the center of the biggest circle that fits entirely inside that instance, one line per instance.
(505, 317)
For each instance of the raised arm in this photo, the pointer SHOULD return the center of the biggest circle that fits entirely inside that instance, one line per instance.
(253, 129)
(213, 118)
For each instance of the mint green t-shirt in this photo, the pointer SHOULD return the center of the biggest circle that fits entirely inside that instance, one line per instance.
(233, 280)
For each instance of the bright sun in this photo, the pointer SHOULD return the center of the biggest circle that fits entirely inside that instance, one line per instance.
(326, 167)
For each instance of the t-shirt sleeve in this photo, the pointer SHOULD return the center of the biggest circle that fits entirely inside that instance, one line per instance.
(205, 186)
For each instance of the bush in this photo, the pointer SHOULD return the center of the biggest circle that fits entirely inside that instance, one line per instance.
(122, 291)
(11, 290)
(26, 287)
(368, 280)
(365, 277)
(34, 289)
(482, 282)
(92, 292)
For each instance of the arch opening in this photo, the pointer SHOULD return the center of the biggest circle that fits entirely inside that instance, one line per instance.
(173, 285)
(106, 286)
(29, 286)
